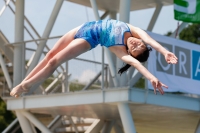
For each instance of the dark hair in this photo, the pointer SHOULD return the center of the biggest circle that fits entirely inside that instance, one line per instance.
(141, 58)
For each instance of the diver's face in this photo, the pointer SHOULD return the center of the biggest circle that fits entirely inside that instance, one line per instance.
(135, 46)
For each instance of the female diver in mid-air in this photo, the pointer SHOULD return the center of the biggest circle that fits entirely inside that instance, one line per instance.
(127, 42)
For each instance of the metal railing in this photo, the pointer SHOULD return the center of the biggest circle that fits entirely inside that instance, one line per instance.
(10, 127)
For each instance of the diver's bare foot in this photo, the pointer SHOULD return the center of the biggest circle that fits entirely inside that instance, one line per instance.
(25, 85)
(17, 91)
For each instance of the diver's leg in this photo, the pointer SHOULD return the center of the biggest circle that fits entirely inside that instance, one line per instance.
(60, 44)
(75, 48)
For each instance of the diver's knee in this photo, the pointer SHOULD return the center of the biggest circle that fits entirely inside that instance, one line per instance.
(53, 63)
(50, 55)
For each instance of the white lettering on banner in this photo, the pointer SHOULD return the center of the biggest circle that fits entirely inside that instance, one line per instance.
(198, 68)
(190, 9)
(183, 76)
(165, 68)
(182, 62)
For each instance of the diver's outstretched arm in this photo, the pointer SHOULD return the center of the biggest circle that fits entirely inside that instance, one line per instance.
(169, 56)
(123, 55)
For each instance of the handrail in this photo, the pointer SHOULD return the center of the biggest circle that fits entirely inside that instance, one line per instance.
(58, 117)
(10, 126)
(4, 7)
(95, 78)
(53, 82)
(24, 42)
(90, 61)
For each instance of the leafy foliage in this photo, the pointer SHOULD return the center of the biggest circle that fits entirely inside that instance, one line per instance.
(168, 33)
(140, 83)
(191, 33)
(6, 117)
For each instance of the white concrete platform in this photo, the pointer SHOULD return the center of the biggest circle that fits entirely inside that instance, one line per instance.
(157, 113)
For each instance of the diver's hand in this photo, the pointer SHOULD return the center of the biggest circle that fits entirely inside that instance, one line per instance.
(157, 85)
(170, 58)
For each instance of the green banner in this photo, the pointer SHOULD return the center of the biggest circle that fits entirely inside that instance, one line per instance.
(187, 10)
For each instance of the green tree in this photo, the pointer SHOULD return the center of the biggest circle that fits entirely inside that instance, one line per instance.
(6, 117)
(191, 33)
(140, 83)
(168, 33)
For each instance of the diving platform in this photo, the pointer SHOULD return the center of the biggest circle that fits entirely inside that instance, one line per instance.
(154, 112)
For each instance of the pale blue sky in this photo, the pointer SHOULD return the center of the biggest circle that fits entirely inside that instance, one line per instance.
(72, 15)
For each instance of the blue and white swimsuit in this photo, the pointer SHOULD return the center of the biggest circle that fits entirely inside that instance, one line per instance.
(105, 32)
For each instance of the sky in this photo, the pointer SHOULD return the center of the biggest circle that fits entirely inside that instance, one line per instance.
(72, 15)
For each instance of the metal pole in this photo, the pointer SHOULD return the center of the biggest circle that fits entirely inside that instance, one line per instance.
(67, 77)
(95, 9)
(112, 15)
(36, 122)
(65, 86)
(8, 128)
(46, 34)
(25, 124)
(130, 72)
(54, 121)
(108, 126)
(4, 7)
(136, 76)
(102, 73)
(124, 109)
(73, 124)
(117, 128)
(94, 79)
(155, 16)
(126, 117)
(5, 72)
(112, 58)
(19, 61)
(104, 15)
(181, 27)
(124, 12)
